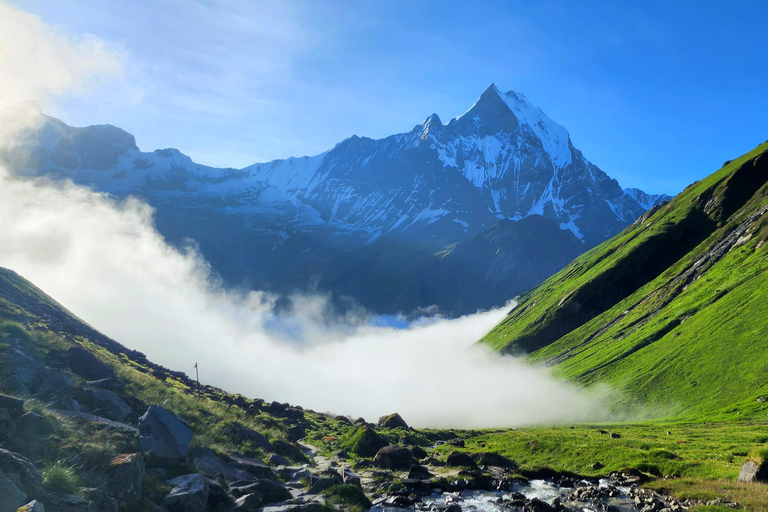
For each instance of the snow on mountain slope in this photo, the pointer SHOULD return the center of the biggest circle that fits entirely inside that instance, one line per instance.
(298, 219)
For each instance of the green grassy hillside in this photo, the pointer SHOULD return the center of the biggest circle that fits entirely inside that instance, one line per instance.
(672, 311)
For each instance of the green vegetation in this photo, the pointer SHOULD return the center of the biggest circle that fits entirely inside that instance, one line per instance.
(671, 311)
(349, 496)
(61, 477)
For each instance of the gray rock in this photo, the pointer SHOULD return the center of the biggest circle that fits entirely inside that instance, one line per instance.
(350, 477)
(253, 466)
(7, 425)
(262, 492)
(208, 464)
(392, 421)
(461, 460)
(124, 479)
(289, 450)
(278, 460)
(108, 383)
(87, 365)
(457, 442)
(190, 494)
(25, 368)
(22, 473)
(163, 435)
(494, 459)
(393, 457)
(103, 402)
(32, 506)
(11, 497)
(99, 500)
(67, 503)
(247, 434)
(752, 472)
(322, 484)
(294, 506)
(418, 472)
(15, 406)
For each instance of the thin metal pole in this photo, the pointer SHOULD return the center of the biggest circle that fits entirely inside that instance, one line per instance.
(197, 374)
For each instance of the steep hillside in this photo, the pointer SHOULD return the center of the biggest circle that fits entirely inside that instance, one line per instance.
(671, 311)
(290, 225)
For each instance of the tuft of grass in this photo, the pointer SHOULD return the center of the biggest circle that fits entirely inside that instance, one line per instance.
(61, 477)
(349, 496)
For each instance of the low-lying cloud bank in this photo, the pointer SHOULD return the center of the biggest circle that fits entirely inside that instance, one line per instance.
(105, 261)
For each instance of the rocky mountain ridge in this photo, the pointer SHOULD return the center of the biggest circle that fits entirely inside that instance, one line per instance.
(421, 191)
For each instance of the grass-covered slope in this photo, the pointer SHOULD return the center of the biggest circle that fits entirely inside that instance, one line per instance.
(673, 310)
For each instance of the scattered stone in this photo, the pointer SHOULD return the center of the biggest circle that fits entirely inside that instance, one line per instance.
(296, 432)
(322, 484)
(99, 501)
(246, 434)
(392, 421)
(211, 466)
(15, 406)
(289, 450)
(124, 479)
(295, 506)
(350, 477)
(460, 459)
(262, 492)
(341, 455)
(368, 442)
(12, 496)
(190, 494)
(278, 460)
(23, 474)
(597, 465)
(253, 466)
(419, 452)
(108, 383)
(393, 457)
(7, 425)
(163, 435)
(103, 402)
(752, 472)
(32, 506)
(494, 459)
(601, 431)
(614, 435)
(87, 365)
(457, 442)
(418, 472)
(67, 503)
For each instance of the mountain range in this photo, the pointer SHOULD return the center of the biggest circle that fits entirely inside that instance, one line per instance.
(459, 216)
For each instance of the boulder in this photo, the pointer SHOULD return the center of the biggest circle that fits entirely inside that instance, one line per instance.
(32, 506)
(753, 472)
(392, 421)
(67, 503)
(208, 464)
(418, 472)
(393, 457)
(189, 494)
(289, 450)
(163, 435)
(99, 500)
(23, 474)
(262, 492)
(321, 484)
(109, 383)
(350, 477)
(459, 459)
(494, 459)
(278, 460)
(295, 506)
(366, 442)
(419, 452)
(87, 365)
(7, 425)
(457, 442)
(15, 406)
(124, 479)
(296, 432)
(11, 496)
(253, 466)
(246, 434)
(103, 402)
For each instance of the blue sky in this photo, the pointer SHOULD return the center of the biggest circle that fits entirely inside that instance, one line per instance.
(657, 94)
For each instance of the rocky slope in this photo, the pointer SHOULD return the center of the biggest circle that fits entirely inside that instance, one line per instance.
(287, 223)
(671, 310)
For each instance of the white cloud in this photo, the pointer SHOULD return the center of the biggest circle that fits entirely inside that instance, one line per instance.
(105, 261)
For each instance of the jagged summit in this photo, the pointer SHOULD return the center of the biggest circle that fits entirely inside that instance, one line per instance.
(298, 220)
